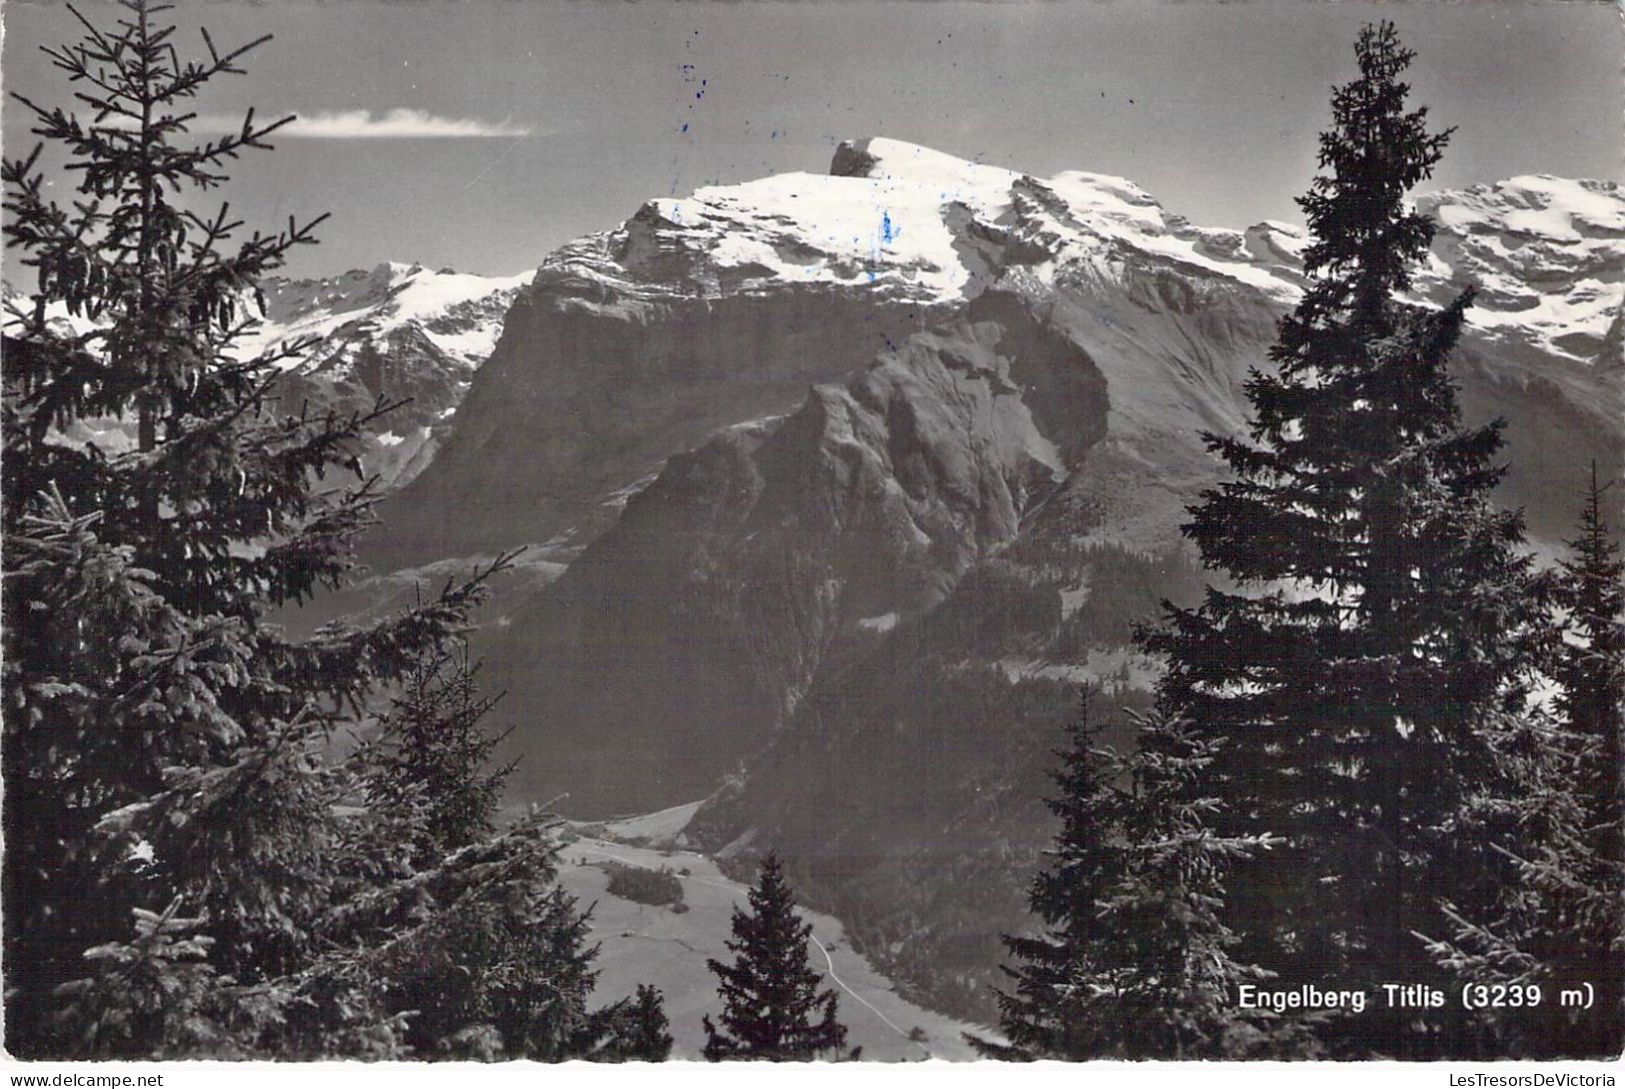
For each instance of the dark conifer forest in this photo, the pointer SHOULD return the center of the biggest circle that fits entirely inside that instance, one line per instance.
(1346, 776)
(195, 866)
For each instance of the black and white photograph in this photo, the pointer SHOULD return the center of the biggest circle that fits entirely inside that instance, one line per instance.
(812, 531)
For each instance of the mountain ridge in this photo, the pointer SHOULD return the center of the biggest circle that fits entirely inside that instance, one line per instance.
(396, 330)
(755, 278)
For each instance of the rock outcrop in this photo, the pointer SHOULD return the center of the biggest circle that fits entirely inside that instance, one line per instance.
(399, 331)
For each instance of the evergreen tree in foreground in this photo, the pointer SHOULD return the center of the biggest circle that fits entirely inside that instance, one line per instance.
(1054, 1008)
(1591, 670)
(432, 750)
(1582, 879)
(1560, 925)
(1136, 962)
(1372, 662)
(192, 867)
(640, 1032)
(771, 1005)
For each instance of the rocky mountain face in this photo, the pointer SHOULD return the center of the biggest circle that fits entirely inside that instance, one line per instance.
(400, 331)
(857, 477)
(695, 314)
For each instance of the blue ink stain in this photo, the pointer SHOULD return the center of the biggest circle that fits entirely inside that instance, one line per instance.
(685, 126)
(887, 231)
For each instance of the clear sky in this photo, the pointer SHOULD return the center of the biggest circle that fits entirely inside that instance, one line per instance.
(481, 134)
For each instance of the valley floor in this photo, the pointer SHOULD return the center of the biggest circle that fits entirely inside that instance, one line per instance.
(640, 943)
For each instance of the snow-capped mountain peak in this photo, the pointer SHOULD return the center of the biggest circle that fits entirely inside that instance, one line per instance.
(459, 313)
(1546, 254)
(724, 304)
(397, 330)
(903, 222)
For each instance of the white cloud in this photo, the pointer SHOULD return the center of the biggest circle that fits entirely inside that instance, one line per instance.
(397, 124)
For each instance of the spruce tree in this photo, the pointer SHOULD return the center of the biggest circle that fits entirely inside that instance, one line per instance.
(771, 1006)
(1053, 1009)
(493, 977)
(639, 1030)
(432, 750)
(1559, 923)
(1591, 669)
(1591, 704)
(192, 867)
(1371, 658)
(1136, 962)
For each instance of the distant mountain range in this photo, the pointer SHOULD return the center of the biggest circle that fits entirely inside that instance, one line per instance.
(401, 329)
